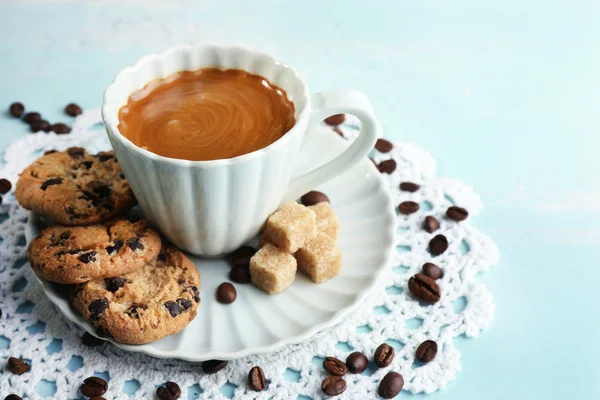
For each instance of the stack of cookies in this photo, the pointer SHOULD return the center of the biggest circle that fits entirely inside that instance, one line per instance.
(125, 279)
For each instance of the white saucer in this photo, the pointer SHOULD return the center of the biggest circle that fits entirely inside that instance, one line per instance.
(257, 322)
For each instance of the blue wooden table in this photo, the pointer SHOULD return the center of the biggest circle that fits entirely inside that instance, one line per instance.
(506, 96)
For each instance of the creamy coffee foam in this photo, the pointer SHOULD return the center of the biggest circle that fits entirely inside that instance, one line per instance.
(207, 114)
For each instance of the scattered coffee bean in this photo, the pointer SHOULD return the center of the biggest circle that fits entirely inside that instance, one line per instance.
(335, 366)
(426, 351)
(431, 224)
(409, 187)
(242, 256)
(32, 117)
(387, 166)
(73, 110)
(226, 293)
(93, 386)
(60, 128)
(357, 362)
(438, 245)
(91, 340)
(408, 207)
(213, 366)
(314, 197)
(240, 275)
(41, 125)
(383, 146)
(96, 398)
(424, 288)
(457, 213)
(432, 271)
(13, 397)
(16, 109)
(333, 385)
(391, 385)
(256, 379)
(335, 120)
(384, 355)
(17, 366)
(5, 186)
(170, 391)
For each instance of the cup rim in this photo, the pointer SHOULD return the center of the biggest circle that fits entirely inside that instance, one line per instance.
(108, 111)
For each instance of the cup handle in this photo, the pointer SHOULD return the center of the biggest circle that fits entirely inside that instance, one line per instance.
(326, 104)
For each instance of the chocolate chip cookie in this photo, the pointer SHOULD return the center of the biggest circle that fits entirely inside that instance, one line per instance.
(152, 302)
(73, 187)
(77, 254)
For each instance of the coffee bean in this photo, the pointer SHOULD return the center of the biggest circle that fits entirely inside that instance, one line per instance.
(314, 197)
(114, 284)
(431, 224)
(357, 362)
(391, 385)
(213, 366)
(96, 398)
(426, 351)
(32, 117)
(335, 366)
(14, 397)
(333, 385)
(457, 213)
(170, 391)
(93, 386)
(17, 366)
(432, 271)
(226, 293)
(5, 186)
(256, 379)
(335, 120)
(438, 245)
(41, 125)
(240, 275)
(97, 307)
(384, 355)
(424, 288)
(73, 110)
(242, 256)
(383, 146)
(91, 340)
(60, 128)
(16, 109)
(408, 207)
(409, 187)
(387, 166)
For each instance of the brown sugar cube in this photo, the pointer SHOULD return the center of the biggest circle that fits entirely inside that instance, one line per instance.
(291, 226)
(272, 269)
(320, 258)
(327, 221)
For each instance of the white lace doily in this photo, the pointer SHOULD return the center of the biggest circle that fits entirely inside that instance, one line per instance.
(31, 328)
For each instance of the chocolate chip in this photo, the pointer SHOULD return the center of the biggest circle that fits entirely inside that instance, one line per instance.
(60, 128)
(383, 146)
(50, 152)
(333, 385)
(114, 284)
(357, 362)
(117, 244)
(226, 293)
(457, 213)
(96, 308)
(99, 188)
(39, 125)
(91, 340)
(426, 351)
(335, 366)
(185, 304)
(104, 156)
(17, 366)
(134, 310)
(424, 288)
(162, 257)
(432, 271)
(173, 308)
(50, 182)
(387, 166)
(74, 251)
(335, 120)
(14, 397)
(431, 224)
(122, 175)
(16, 109)
(213, 366)
(31, 117)
(408, 207)
(86, 164)
(170, 391)
(133, 218)
(134, 244)
(240, 275)
(5, 186)
(242, 256)
(87, 257)
(391, 385)
(73, 110)
(196, 292)
(384, 355)
(256, 379)
(76, 152)
(438, 244)
(93, 386)
(409, 187)
(64, 236)
(314, 197)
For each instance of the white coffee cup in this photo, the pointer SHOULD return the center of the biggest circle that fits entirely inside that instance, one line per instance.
(210, 208)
